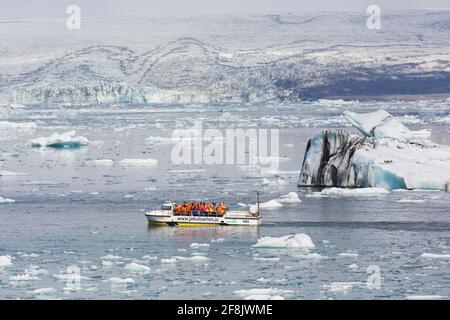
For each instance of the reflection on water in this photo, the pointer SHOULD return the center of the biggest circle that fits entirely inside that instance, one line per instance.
(204, 234)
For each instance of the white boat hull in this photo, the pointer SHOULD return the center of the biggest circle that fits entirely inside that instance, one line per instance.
(236, 218)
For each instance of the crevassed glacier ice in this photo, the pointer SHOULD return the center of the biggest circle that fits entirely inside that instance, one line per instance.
(63, 140)
(338, 158)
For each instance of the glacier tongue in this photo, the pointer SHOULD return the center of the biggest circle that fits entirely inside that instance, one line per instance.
(338, 158)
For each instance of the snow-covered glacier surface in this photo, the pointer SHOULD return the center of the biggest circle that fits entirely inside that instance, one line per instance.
(257, 58)
(389, 156)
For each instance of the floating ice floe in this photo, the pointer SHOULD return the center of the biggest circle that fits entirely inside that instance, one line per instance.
(269, 205)
(116, 280)
(138, 162)
(63, 140)
(44, 291)
(341, 287)
(348, 255)
(101, 162)
(29, 255)
(107, 264)
(6, 200)
(425, 297)
(5, 261)
(11, 174)
(111, 257)
(199, 245)
(17, 126)
(24, 277)
(137, 268)
(410, 201)
(290, 198)
(338, 158)
(193, 259)
(299, 241)
(435, 256)
(264, 294)
(267, 259)
(344, 192)
(275, 183)
(353, 266)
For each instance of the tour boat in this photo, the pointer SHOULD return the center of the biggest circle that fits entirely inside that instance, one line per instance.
(166, 216)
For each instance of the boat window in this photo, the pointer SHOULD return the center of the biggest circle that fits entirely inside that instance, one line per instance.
(166, 207)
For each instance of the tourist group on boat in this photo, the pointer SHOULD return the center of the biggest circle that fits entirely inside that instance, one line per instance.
(200, 208)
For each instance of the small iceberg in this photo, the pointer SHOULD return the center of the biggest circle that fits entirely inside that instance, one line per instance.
(139, 162)
(11, 174)
(290, 198)
(66, 140)
(264, 294)
(297, 241)
(445, 256)
(101, 162)
(199, 245)
(269, 205)
(6, 200)
(116, 280)
(5, 261)
(396, 159)
(137, 268)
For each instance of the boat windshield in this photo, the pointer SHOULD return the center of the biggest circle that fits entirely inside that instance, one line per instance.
(166, 207)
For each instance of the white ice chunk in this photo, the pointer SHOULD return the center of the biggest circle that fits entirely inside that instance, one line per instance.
(137, 268)
(24, 277)
(290, 198)
(11, 174)
(300, 241)
(344, 192)
(6, 200)
(101, 162)
(116, 280)
(340, 287)
(381, 124)
(269, 205)
(63, 140)
(199, 245)
(139, 162)
(44, 291)
(5, 261)
(111, 257)
(425, 297)
(435, 256)
(264, 294)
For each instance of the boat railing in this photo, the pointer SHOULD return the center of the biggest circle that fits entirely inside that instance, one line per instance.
(195, 213)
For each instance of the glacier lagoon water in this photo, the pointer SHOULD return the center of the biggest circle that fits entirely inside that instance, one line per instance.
(73, 213)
